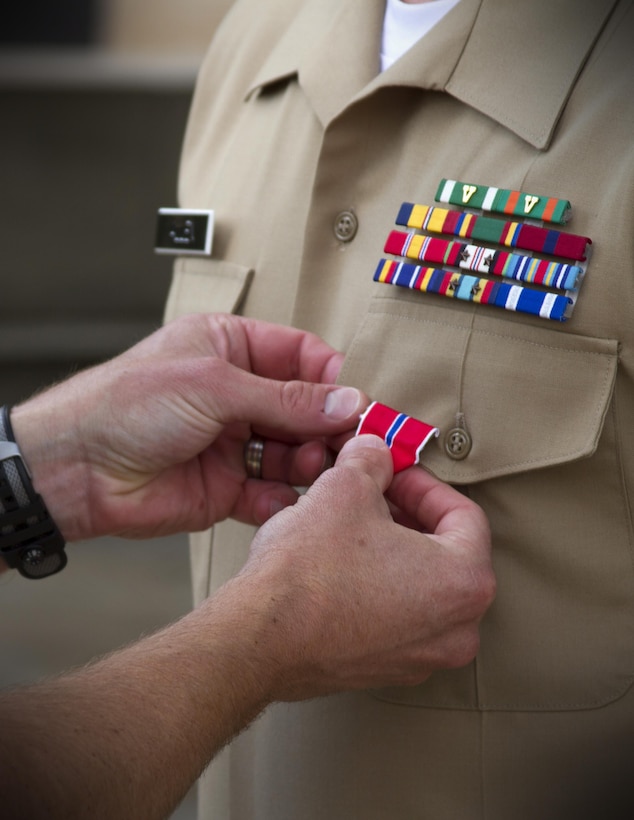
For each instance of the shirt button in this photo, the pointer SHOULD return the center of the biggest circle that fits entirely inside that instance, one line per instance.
(458, 443)
(345, 226)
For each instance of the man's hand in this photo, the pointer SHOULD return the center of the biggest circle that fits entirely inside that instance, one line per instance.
(152, 442)
(357, 600)
(334, 596)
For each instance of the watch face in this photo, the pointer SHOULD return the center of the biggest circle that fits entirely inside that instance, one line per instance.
(35, 562)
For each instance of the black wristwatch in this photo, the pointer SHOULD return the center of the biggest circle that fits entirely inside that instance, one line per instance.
(29, 539)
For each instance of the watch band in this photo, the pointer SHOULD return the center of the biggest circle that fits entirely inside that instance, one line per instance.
(29, 539)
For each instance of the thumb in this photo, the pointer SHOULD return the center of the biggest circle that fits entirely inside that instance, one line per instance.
(371, 455)
(295, 407)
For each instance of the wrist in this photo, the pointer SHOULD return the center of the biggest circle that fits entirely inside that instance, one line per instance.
(283, 628)
(29, 538)
(55, 464)
(244, 619)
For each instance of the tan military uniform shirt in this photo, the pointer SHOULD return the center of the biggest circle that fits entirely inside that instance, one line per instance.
(291, 128)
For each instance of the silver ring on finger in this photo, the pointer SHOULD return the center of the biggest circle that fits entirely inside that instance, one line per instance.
(253, 452)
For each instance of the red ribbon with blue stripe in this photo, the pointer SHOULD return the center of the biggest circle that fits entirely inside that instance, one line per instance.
(405, 436)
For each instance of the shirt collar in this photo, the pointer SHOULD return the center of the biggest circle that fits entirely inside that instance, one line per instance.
(545, 43)
(349, 32)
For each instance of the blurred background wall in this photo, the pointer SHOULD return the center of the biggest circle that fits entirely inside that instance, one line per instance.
(93, 102)
(155, 26)
(94, 96)
(163, 25)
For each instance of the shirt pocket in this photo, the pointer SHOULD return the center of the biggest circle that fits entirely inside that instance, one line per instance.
(528, 397)
(543, 463)
(209, 285)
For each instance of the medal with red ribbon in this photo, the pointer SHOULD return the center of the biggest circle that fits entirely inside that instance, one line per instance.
(406, 437)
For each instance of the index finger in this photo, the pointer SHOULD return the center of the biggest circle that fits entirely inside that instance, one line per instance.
(286, 353)
(438, 507)
(266, 349)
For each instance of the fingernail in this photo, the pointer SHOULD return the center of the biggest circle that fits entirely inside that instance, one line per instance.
(342, 403)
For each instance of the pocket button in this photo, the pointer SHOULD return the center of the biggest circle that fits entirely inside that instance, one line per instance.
(458, 443)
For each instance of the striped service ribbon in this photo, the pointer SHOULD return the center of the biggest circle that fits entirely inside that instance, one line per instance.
(470, 288)
(490, 229)
(503, 201)
(519, 267)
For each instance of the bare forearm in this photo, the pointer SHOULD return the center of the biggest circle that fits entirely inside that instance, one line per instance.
(325, 602)
(146, 720)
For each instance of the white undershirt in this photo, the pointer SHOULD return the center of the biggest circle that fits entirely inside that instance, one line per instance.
(405, 23)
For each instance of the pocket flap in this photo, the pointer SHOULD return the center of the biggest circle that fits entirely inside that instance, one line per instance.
(209, 285)
(529, 397)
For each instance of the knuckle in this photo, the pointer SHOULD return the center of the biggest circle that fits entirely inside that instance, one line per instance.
(465, 649)
(452, 650)
(359, 483)
(215, 368)
(486, 588)
(415, 677)
(489, 590)
(296, 397)
(478, 589)
(348, 483)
